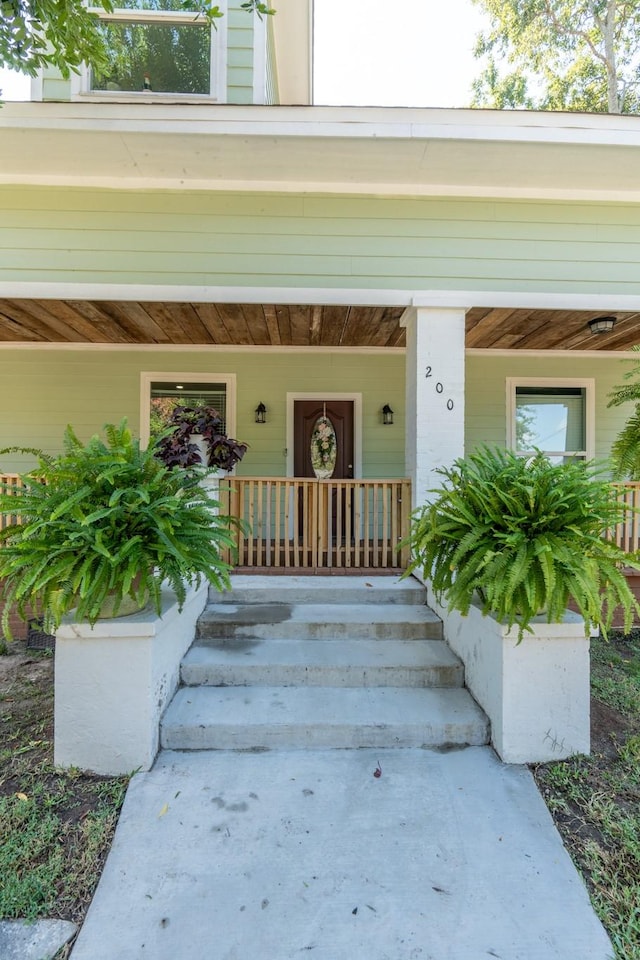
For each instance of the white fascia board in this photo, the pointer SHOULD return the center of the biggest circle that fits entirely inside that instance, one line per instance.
(190, 348)
(332, 122)
(327, 296)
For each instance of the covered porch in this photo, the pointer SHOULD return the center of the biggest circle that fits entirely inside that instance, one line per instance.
(440, 370)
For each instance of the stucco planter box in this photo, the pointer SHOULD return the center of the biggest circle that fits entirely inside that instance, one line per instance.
(536, 693)
(113, 682)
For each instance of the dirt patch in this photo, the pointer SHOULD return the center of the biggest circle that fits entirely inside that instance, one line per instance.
(608, 729)
(56, 826)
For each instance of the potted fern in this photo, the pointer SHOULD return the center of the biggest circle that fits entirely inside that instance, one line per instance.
(523, 537)
(101, 527)
(506, 544)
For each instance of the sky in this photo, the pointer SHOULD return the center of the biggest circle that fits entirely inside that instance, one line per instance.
(414, 53)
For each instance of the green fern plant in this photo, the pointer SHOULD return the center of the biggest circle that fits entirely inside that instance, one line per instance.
(103, 522)
(625, 452)
(524, 536)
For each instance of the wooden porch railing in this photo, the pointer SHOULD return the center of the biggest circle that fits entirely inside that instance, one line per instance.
(344, 524)
(627, 533)
(13, 482)
(320, 524)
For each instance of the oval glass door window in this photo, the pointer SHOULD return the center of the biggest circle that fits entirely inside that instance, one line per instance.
(324, 448)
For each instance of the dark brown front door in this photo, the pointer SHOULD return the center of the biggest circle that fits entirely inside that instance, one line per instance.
(305, 417)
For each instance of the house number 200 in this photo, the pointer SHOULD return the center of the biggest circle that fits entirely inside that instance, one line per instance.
(439, 387)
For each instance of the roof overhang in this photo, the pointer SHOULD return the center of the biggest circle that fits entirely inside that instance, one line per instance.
(367, 151)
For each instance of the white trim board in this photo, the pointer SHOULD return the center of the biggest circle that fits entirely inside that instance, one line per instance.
(148, 377)
(195, 348)
(357, 425)
(259, 59)
(549, 354)
(329, 296)
(319, 188)
(336, 351)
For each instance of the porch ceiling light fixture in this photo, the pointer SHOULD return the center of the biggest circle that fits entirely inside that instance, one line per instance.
(602, 324)
(261, 413)
(387, 415)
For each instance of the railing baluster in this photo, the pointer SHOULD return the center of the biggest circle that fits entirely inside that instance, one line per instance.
(405, 520)
(277, 531)
(348, 549)
(287, 523)
(393, 508)
(357, 523)
(366, 532)
(305, 520)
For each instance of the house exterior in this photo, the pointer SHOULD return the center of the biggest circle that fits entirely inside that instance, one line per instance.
(240, 241)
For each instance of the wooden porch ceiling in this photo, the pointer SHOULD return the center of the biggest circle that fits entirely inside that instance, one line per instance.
(122, 322)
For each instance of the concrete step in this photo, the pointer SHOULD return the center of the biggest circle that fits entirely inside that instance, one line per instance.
(347, 663)
(262, 718)
(310, 621)
(320, 589)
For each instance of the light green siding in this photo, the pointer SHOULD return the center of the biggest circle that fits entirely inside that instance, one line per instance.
(42, 391)
(486, 393)
(292, 240)
(241, 37)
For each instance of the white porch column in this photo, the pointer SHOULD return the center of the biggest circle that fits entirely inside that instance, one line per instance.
(434, 394)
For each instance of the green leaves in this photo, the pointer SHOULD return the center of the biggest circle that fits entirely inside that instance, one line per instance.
(625, 452)
(65, 33)
(560, 55)
(524, 536)
(106, 519)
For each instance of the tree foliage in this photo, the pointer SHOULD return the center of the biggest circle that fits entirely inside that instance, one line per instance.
(625, 452)
(65, 33)
(560, 55)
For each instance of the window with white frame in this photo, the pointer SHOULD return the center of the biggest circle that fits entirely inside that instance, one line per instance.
(554, 416)
(161, 392)
(157, 47)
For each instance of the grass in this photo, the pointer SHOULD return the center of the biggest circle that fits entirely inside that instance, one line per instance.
(595, 800)
(55, 826)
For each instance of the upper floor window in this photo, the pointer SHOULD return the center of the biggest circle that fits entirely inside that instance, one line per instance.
(158, 47)
(554, 416)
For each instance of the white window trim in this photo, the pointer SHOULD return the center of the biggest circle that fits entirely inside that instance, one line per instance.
(80, 82)
(147, 378)
(357, 425)
(259, 59)
(586, 384)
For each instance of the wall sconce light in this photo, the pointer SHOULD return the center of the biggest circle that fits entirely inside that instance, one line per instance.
(602, 324)
(261, 413)
(387, 415)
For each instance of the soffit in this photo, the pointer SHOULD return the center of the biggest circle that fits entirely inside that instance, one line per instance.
(266, 325)
(403, 152)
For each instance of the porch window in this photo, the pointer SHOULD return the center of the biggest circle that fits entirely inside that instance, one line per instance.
(165, 396)
(156, 47)
(553, 417)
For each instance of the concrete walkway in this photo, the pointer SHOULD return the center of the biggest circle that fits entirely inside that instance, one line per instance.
(282, 855)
